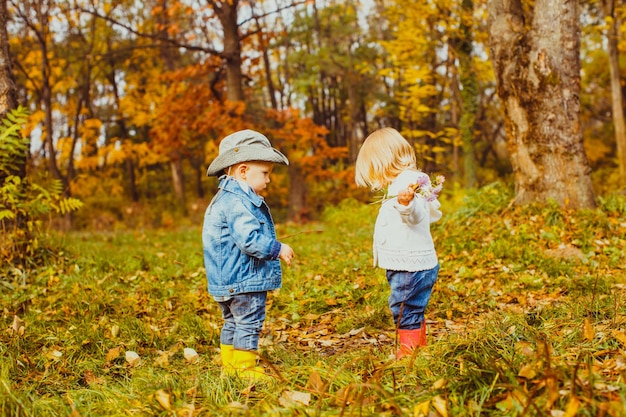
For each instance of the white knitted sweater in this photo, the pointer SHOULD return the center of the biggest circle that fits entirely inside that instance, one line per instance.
(402, 239)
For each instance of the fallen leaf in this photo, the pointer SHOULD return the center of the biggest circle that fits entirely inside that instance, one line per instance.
(163, 360)
(18, 326)
(163, 398)
(186, 410)
(588, 331)
(440, 383)
(54, 354)
(421, 409)
(527, 371)
(191, 356)
(315, 382)
(439, 403)
(112, 354)
(292, 398)
(620, 336)
(132, 358)
(91, 379)
(572, 407)
(115, 330)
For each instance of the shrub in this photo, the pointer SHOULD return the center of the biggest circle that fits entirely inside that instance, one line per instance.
(22, 202)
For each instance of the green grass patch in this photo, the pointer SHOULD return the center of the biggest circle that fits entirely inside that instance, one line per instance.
(527, 318)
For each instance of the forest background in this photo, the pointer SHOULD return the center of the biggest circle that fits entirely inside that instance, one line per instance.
(127, 100)
(114, 109)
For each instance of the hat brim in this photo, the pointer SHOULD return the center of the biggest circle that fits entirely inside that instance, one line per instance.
(245, 154)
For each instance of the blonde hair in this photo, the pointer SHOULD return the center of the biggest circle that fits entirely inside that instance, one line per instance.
(382, 157)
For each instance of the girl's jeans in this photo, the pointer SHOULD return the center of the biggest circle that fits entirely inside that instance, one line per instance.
(410, 293)
(243, 315)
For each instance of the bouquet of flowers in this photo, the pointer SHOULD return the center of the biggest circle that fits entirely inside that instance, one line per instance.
(430, 190)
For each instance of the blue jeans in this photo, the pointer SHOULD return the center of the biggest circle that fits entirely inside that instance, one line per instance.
(410, 293)
(243, 315)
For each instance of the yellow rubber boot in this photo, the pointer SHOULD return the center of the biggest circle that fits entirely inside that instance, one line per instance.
(244, 364)
(226, 351)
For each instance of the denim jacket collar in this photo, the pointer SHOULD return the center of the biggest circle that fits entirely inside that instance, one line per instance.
(230, 184)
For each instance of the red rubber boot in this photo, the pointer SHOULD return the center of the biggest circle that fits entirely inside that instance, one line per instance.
(411, 340)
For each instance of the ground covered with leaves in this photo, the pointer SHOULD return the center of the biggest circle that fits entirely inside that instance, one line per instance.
(528, 318)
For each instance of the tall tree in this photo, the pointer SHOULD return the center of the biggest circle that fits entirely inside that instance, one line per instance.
(617, 101)
(469, 92)
(226, 12)
(535, 52)
(8, 92)
(35, 15)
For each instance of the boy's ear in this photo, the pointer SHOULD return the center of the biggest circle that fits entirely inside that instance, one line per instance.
(242, 168)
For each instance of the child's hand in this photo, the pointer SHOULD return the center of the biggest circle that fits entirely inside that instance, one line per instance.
(405, 196)
(286, 253)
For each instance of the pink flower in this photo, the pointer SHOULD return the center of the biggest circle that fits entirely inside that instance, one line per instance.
(430, 188)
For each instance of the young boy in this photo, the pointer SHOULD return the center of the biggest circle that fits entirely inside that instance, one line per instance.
(241, 253)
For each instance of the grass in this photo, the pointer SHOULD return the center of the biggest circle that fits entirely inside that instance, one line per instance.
(527, 318)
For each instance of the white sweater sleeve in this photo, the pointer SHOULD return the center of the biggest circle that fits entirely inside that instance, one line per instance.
(415, 212)
(435, 212)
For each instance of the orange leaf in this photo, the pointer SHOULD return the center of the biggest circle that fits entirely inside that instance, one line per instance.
(315, 382)
(112, 354)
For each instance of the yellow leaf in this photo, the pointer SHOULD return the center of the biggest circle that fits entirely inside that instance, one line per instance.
(54, 354)
(163, 360)
(527, 371)
(552, 387)
(421, 409)
(620, 336)
(506, 404)
(440, 383)
(588, 331)
(163, 398)
(572, 407)
(440, 405)
(186, 410)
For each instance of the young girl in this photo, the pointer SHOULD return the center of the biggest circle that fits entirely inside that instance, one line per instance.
(403, 244)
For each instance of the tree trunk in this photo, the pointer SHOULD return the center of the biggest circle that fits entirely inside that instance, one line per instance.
(169, 55)
(469, 94)
(46, 98)
(132, 183)
(608, 8)
(537, 67)
(297, 210)
(8, 91)
(176, 164)
(227, 14)
(263, 43)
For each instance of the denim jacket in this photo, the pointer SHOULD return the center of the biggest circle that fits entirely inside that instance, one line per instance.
(239, 239)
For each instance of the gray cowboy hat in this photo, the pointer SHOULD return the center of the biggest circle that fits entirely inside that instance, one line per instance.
(244, 146)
